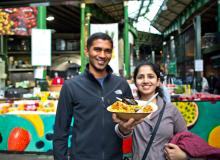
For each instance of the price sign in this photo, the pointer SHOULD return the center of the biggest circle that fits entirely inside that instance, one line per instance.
(41, 47)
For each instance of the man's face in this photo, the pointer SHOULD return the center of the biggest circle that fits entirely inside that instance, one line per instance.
(100, 53)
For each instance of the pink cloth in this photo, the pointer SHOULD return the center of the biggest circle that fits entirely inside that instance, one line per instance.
(195, 146)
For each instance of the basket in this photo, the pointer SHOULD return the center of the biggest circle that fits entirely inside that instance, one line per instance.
(55, 88)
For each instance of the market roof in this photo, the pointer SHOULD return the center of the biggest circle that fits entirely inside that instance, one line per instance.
(142, 13)
(67, 12)
(168, 12)
(153, 16)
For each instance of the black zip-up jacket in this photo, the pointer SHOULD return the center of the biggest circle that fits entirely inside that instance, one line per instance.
(93, 133)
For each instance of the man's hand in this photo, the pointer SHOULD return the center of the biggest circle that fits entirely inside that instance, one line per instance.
(126, 126)
(173, 152)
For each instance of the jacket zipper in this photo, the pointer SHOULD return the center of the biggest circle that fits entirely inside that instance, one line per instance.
(103, 124)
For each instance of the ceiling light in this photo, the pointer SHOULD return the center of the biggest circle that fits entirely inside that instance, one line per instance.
(50, 18)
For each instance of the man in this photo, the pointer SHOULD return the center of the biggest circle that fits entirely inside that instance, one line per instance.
(164, 89)
(86, 97)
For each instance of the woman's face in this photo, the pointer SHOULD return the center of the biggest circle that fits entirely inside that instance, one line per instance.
(147, 81)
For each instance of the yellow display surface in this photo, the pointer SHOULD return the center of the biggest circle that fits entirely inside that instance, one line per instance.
(189, 110)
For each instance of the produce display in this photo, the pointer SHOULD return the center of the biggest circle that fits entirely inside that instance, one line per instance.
(4, 108)
(17, 21)
(199, 96)
(28, 105)
(5, 23)
(34, 128)
(179, 89)
(189, 110)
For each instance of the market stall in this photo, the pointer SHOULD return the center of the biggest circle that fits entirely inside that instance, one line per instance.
(35, 128)
(207, 123)
(27, 125)
(26, 132)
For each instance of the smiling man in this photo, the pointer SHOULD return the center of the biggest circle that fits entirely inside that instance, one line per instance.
(86, 97)
(99, 52)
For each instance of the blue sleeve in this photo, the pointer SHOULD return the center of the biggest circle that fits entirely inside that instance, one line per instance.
(62, 124)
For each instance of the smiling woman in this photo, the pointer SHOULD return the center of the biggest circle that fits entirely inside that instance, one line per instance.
(147, 80)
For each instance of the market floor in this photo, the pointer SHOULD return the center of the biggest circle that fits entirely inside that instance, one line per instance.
(7, 156)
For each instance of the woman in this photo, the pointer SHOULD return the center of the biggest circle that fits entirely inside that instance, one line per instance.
(147, 81)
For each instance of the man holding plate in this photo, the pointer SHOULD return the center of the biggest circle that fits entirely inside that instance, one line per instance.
(86, 97)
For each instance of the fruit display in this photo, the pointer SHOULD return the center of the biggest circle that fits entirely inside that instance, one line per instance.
(28, 105)
(179, 89)
(199, 97)
(5, 23)
(45, 95)
(17, 21)
(47, 106)
(189, 110)
(4, 108)
(18, 139)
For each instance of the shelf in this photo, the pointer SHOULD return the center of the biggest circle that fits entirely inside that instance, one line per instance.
(21, 70)
(53, 52)
(211, 49)
(19, 53)
(67, 36)
(64, 52)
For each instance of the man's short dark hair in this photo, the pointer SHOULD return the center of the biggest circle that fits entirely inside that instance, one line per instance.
(98, 35)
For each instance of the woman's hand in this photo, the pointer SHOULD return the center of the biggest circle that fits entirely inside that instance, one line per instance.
(126, 126)
(173, 152)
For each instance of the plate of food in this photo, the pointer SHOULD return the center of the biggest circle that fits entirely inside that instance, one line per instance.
(137, 111)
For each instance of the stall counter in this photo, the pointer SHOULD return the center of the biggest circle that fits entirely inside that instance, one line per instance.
(40, 127)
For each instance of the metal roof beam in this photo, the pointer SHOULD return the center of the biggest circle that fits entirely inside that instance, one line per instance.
(142, 3)
(98, 13)
(112, 5)
(61, 16)
(161, 24)
(185, 15)
(23, 3)
(172, 11)
(180, 2)
(133, 30)
(166, 18)
(68, 11)
(147, 8)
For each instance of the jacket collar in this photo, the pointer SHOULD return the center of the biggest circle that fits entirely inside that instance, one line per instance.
(90, 75)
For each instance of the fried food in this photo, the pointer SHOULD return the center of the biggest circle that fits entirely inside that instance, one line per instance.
(119, 106)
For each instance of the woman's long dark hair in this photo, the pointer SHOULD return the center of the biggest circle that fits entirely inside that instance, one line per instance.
(156, 70)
